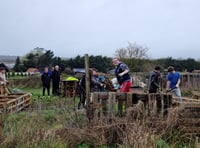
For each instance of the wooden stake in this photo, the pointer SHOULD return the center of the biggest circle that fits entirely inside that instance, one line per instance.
(87, 78)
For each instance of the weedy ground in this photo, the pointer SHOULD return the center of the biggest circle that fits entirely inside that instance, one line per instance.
(52, 122)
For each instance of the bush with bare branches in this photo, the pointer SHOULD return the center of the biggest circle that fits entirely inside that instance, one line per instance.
(133, 50)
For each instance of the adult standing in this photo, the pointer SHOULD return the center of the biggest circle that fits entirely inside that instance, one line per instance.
(173, 82)
(155, 86)
(46, 79)
(3, 75)
(3, 80)
(154, 80)
(122, 75)
(96, 85)
(55, 80)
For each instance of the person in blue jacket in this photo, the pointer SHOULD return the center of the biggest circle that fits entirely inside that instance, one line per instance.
(46, 80)
(173, 82)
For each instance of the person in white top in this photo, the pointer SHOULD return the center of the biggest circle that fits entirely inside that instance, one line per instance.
(3, 80)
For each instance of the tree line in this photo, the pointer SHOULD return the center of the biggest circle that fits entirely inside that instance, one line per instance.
(133, 55)
(136, 57)
(40, 58)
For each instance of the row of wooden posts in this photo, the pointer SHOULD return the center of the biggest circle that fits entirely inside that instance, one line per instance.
(111, 104)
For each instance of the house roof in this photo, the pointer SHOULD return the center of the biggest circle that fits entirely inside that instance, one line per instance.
(32, 70)
(4, 65)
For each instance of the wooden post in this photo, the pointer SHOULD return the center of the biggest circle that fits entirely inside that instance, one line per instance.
(122, 98)
(87, 78)
(87, 89)
(129, 101)
(188, 81)
(111, 102)
(167, 101)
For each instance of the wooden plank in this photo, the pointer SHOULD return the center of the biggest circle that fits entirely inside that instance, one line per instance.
(21, 97)
(3, 100)
(190, 104)
(111, 102)
(103, 96)
(196, 93)
(94, 97)
(188, 99)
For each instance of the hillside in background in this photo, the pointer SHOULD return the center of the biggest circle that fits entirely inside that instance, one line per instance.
(8, 60)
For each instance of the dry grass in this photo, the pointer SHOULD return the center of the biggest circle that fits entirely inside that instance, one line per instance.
(36, 129)
(132, 131)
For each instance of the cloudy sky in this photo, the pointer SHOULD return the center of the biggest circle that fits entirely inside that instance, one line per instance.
(99, 27)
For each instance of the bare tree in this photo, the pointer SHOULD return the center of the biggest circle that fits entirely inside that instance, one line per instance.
(121, 53)
(133, 50)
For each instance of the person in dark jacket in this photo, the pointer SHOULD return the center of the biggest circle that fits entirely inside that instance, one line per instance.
(95, 86)
(122, 75)
(55, 81)
(46, 79)
(154, 80)
(154, 86)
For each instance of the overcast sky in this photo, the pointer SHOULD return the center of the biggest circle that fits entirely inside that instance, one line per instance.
(99, 27)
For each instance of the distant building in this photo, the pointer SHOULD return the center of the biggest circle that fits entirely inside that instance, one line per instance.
(33, 71)
(78, 70)
(82, 70)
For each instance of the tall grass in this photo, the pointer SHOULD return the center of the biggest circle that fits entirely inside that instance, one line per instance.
(59, 126)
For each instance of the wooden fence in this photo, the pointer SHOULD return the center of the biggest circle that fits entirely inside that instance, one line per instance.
(190, 81)
(112, 104)
(189, 118)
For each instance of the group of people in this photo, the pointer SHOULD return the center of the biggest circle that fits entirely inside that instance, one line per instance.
(97, 82)
(124, 79)
(46, 78)
(155, 85)
(173, 81)
(96, 85)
